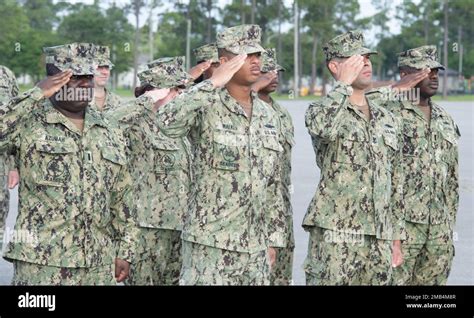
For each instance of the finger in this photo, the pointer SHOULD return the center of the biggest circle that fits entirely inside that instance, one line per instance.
(121, 277)
(62, 79)
(239, 58)
(12, 182)
(64, 74)
(237, 64)
(354, 59)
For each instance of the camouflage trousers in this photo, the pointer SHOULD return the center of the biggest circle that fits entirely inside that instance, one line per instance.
(337, 258)
(25, 273)
(428, 253)
(158, 258)
(281, 272)
(207, 265)
(4, 203)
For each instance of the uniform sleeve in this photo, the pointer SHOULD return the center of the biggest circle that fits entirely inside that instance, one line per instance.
(277, 227)
(396, 202)
(324, 117)
(180, 116)
(124, 210)
(452, 190)
(277, 211)
(12, 113)
(127, 113)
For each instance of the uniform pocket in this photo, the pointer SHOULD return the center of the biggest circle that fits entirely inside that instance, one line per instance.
(166, 155)
(114, 161)
(227, 150)
(54, 161)
(351, 149)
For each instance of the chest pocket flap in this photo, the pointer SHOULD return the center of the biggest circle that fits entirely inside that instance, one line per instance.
(55, 147)
(114, 155)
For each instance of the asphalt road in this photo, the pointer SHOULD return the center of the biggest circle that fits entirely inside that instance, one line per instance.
(305, 176)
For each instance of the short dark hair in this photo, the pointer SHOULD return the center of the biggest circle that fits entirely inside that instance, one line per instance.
(51, 69)
(140, 90)
(224, 52)
(407, 69)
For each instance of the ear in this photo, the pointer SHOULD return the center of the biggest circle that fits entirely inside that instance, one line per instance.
(223, 59)
(333, 66)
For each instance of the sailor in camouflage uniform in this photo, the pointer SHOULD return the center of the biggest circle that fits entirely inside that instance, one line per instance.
(356, 212)
(160, 168)
(8, 90)
(104, 99)
(207, 53)
(281, 272)
(236, 214)
(76, 189)
(430, 161)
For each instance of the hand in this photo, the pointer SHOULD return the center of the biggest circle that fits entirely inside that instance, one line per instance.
(51, 84)
(348, 70)
(223, 74)
(264, 80)
(13, 179)
(410, 80)
(122, 269)
(157, 94)
(197, 70)
(272, 256)
(397, 255)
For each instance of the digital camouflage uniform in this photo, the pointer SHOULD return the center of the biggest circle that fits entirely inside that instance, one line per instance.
(281, 272)
(235, 210)
(75, 190)
(160, 168)
(206, 52)
(8, 90)
(356, 211)
(112, 100)
(430, 196)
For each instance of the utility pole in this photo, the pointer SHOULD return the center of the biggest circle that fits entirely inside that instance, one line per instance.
(188, 38)
(150, 34)
(445, 51)
(295, 51)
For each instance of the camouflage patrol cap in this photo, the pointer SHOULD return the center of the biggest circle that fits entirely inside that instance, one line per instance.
(206, 52)
(269, 61)
(166, 72)
(102, 56)
(78, 57)
(420, 58)
(241, 39)
(346, 45)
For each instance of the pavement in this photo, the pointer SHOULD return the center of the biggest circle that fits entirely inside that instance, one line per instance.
(305, 176)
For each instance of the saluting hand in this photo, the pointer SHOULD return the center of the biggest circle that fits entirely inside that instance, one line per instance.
(264, 80)
(157, 94)
(197, 70)
(51, 84)
(348, 70)
(226, 71)
(410, 80)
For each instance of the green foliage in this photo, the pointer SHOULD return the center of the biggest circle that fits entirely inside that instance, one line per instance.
(29, 25)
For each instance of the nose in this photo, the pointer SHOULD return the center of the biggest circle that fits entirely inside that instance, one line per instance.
(366, 59)
(86, 81)
(254, 58)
